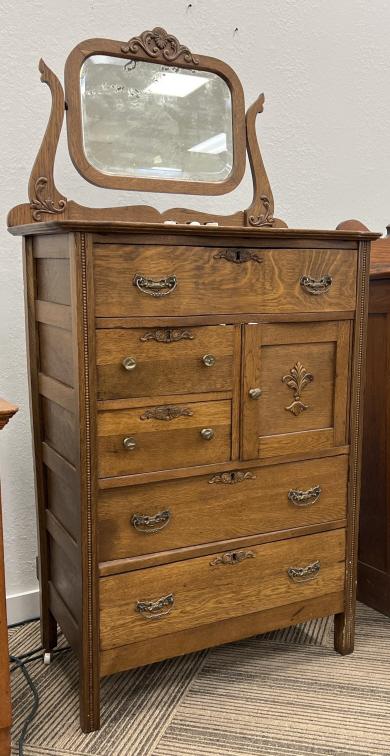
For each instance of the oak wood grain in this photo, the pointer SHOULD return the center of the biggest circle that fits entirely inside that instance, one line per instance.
(163, 443)
(131, 655)
(156, 558)
(207, 283)
(302, 371)
(164, 367)
(55, 353)
(205, 593)
(208, 509)
(135, 479)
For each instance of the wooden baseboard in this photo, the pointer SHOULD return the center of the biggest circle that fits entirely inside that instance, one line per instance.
(23, 606)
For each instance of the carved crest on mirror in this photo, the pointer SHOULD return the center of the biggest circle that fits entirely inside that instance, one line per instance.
(149, 115)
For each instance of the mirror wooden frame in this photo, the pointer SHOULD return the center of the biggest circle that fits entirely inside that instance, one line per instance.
(47, 204)
(151, 47)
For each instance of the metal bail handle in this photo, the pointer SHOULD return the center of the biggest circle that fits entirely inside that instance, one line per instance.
(151, 523)
(304, 498)
(160, 288)
(153, 610)
(316, 285)
(303, 574)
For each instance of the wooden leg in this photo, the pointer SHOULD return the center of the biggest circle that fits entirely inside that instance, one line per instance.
(49, 636)
(344, 633)
(5, 742)
(89, 699)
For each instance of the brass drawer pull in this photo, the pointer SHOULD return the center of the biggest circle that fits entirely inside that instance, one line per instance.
(129, 363)
(303, 574)
(254, 393)
(207, 433)
(155, 288)
(209, 360)
(304, 498)
(156, 609)
(151, 523)
(316, 285)
(232, 557)
(237, 255)
(129, 443)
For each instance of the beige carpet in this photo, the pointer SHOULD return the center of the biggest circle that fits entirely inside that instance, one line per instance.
(281, 693)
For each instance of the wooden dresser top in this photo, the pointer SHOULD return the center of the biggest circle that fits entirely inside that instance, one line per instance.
(380, 258)
(201, 233)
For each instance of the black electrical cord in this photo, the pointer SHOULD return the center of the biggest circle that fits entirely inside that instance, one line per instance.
(19, 662)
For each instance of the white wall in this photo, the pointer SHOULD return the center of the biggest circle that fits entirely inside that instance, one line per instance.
(325, 69)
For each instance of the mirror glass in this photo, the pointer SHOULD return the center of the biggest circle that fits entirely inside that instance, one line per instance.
(147, 120)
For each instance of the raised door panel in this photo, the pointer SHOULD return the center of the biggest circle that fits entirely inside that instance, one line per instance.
(162, 437)
(295, 388)
(168, 280)
(159, 361)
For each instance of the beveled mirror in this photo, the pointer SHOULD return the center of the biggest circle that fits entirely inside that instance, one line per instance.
(151, 116)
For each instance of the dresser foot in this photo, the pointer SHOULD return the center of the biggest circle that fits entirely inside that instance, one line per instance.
(344, 633)
(89, 700)
(49, 634)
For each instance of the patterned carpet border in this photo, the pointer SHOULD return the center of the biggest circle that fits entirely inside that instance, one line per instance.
(285, 692)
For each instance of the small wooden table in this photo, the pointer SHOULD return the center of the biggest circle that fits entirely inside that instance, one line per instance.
(6, 412)
(374, 541)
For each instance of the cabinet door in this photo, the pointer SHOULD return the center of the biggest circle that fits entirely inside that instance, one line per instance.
(295, 388)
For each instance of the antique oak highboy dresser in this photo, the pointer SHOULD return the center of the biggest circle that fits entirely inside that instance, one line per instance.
(195, 378)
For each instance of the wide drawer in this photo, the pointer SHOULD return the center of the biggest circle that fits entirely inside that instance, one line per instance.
(165, 281)
(220, 506)
(161, 437)
(157, 361)
(144, 604)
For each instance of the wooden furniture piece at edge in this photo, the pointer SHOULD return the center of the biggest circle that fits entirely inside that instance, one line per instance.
(374, 539)
(6, 412)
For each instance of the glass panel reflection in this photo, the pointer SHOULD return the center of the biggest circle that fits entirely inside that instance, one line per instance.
(147, 120)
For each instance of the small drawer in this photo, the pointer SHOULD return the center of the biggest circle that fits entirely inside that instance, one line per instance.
(169, 281)
(221, 506)
(160, 437)
(157, 361)
(145, 604)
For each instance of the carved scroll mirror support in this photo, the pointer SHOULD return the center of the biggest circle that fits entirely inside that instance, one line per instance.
(46, 202)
